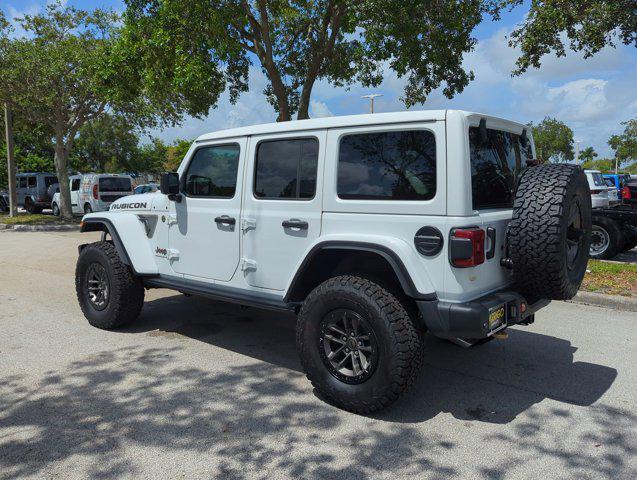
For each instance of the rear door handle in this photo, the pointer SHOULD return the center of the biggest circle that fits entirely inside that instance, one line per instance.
(295, 223)
(225, 220)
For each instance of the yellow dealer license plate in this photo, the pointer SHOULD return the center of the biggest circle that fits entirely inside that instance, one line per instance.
(497, 316)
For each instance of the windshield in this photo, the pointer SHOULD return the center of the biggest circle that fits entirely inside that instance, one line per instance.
(115, 184)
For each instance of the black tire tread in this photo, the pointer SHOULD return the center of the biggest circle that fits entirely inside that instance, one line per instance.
(127, 289)
(407, 339)
(536, 230)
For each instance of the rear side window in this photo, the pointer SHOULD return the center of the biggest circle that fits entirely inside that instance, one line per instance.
(212, 172)
(75, 184)
(286, 169)
(22, 182)
(495, 167)
(598, 179)
(48, 181)
(399, 165)
(115, 184)
(32, 182)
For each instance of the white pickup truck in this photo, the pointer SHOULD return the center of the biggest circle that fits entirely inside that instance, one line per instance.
(374, 229)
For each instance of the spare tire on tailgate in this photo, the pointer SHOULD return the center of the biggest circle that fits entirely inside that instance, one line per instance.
(550, 232)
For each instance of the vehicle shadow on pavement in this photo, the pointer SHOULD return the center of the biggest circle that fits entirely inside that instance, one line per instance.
(259, 419)
(491, 383)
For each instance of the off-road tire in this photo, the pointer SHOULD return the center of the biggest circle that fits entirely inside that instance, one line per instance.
(616, 238)
(546, 197)
(126, 296)
(629, 243)
(88, 208)
(56, 209)
(29, 206)
(400, 343)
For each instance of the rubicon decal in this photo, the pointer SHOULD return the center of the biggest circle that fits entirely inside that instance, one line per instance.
(122, 206)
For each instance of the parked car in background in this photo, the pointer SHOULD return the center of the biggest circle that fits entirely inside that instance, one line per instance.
(4, 201)
(613, 193)
(599, 188)
(95, 192)
(629, 193)
(31, 190)
(614, 231)
(146, 188)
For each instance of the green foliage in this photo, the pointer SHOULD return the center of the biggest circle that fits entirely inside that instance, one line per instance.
(587, 155)
(553, 141)
(175, 154)
(555, 25)
(187, 52)
(604, 165)
(625, 144)
(107, 142)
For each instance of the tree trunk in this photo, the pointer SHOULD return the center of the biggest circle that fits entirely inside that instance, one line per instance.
(61, 167)
(11, 169)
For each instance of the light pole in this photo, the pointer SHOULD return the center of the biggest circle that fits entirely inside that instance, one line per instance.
(577, 142)
(371, 97)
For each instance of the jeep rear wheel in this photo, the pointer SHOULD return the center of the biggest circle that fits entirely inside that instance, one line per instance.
(109, 293)
(358, 345)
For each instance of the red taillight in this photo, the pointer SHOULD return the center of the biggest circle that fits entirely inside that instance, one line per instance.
(466, 247)
(626, 193)
(95, 192)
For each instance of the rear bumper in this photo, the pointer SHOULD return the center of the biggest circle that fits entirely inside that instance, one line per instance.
(471, 319)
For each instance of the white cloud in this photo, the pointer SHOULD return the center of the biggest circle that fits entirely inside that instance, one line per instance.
(319, 109)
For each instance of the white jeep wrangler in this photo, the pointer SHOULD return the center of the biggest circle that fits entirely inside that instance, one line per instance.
(372, 228)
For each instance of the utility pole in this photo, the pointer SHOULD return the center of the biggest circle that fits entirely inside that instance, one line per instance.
(371, 97)
(11, 170)
(577, 151)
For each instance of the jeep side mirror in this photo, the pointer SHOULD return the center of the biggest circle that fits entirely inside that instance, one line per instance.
(169, 184)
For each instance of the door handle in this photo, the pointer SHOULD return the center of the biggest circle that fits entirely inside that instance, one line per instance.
(225, 220)
(295, 223)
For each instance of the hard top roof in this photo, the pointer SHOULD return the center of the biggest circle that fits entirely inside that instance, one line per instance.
(336, 122)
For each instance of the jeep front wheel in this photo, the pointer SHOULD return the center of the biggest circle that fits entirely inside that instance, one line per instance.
(109, 293)
(358, 345)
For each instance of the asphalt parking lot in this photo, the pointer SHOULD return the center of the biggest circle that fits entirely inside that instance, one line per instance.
(199, 389)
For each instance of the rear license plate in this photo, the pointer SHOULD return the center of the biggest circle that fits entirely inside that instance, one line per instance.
(497, 316)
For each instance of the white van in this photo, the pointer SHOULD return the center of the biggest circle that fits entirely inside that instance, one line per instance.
(94, 192)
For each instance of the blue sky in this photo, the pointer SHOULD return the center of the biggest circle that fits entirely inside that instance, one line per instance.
(592, 96)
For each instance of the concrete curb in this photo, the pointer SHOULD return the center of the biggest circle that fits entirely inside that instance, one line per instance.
(41, 228)
(616, 302)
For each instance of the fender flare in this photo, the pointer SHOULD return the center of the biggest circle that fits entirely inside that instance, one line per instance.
(389, 255)
(105, 225)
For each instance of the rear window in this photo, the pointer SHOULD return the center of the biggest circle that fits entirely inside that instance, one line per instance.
(495, 167)
(399, 165)
(48, 181)
(115, 184)
(598, 179)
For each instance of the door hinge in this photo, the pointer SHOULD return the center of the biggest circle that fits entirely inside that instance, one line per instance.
(172, 219)
(248, 264)
(248, 223)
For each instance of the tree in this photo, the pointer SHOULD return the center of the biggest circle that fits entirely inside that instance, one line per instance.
(108, 143)
(192, 50)
(587, 155)
(625, 144)
(67, 72)
(175, 154)
(586, 26)
(553, 141)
